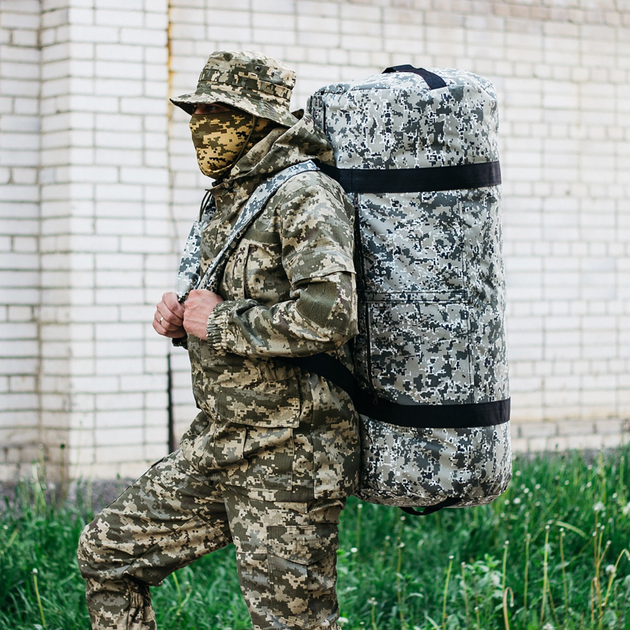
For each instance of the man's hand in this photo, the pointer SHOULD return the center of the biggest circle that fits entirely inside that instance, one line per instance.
(169, 317)
(197, 309)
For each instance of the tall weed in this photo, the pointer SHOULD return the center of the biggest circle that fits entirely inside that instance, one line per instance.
(550, 554)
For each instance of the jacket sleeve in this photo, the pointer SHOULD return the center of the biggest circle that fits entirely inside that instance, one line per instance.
(316, 232)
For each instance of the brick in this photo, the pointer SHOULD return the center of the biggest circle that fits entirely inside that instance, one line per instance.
(149, 176)
(24, 38)
(116, 139)
(323, 9)
(272, 6)
(21, 6)
(19, 88)
(143, 37)
(103, 104)
(313, 24)
(119, 70)
(145, 105)
(120, 438)
(94, 34)
(26, 21)
(127, 18)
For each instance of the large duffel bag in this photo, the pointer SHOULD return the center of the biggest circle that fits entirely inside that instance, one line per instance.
(416, 151)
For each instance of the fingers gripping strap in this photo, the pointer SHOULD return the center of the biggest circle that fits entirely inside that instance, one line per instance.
(252, 209)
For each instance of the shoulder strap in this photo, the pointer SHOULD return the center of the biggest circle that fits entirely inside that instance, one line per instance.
(252, 209)
(188, 274)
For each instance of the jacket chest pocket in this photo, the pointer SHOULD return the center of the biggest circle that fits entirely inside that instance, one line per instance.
(254, 271)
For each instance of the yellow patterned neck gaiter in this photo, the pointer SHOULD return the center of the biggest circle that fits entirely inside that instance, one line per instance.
(221, 139)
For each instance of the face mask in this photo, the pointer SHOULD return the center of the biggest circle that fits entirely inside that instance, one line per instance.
(220, 139)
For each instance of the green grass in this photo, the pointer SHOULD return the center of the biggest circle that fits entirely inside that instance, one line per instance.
(550, 553)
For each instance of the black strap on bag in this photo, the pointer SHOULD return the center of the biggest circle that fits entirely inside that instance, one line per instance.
(411, 180)
(434, 81)
(430, 509)
(458, 416)
(417, 416)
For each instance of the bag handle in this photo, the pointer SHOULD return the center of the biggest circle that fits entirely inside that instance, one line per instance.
(433, 80)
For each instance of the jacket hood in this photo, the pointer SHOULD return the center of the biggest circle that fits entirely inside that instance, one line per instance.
(282, 148)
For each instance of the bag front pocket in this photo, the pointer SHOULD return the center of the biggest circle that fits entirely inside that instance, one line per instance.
(419, 351)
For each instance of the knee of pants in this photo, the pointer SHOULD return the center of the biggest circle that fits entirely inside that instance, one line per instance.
(97, 556)
(85, 553)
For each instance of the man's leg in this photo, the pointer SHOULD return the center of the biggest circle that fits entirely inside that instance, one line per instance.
(286, 554)
(165, 520)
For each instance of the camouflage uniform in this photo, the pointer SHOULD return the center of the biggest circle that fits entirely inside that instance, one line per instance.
(273, 453)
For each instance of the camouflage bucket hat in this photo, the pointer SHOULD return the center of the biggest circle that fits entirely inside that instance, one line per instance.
(250, 81)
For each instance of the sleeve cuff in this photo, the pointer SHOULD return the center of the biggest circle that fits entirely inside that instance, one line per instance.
(217, 326)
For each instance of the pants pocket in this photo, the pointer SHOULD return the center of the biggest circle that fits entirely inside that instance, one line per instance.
(270, 456)
(302, 571)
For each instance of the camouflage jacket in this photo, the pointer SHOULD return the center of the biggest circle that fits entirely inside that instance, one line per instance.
(289, 290)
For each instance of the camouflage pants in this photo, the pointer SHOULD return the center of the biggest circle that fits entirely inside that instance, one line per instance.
(286, 552)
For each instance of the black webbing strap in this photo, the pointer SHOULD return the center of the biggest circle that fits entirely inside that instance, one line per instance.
(412, 416)
(438, 416)
(418, 416)
(409, 180)
(430, 509)
(336, 372)
(433, 80)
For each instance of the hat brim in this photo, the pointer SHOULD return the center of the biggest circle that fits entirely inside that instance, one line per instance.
(241, 99)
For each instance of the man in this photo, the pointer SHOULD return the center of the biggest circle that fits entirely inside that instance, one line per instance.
(272, 455)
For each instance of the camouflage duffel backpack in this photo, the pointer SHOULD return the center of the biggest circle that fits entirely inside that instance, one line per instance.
(417, 153)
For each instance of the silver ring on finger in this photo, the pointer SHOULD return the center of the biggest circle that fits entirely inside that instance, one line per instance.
(161, 319)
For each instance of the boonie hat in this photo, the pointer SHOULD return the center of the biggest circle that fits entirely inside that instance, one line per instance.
(248, 80)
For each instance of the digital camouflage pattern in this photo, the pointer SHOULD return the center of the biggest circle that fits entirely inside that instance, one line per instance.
(188, 277)
(220, 139)
(248, 80)
(393, 121)
(432, 263)
(171, 516)
(289, 291)
(254, 206)
(269, 461)
(421, 467)
(431, 314)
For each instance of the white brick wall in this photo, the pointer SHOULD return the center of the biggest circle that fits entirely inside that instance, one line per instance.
(98, 205)
(19, 235)
(99, 219)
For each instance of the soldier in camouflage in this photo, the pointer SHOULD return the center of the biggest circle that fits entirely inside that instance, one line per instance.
(272, 455)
